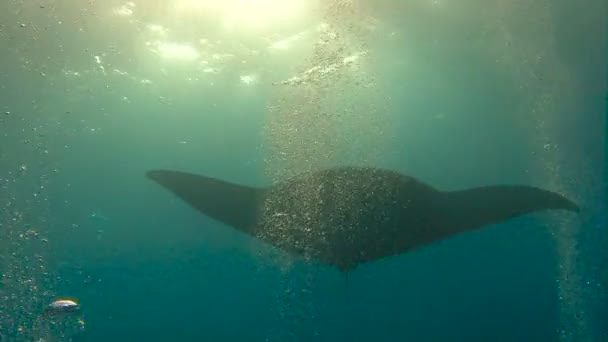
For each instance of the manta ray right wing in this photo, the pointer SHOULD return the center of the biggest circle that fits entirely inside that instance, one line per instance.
(474, 208)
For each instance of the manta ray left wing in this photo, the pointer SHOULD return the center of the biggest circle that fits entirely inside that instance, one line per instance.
(233, 204)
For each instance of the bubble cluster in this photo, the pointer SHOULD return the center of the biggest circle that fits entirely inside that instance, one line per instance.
(328, 112)
(547, 90)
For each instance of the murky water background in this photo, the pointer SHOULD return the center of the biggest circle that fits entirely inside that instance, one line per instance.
(457, 94)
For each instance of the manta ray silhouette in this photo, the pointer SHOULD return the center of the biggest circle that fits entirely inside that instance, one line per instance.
(351, 215)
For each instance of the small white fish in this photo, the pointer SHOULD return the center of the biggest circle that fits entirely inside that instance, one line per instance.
(62, 306)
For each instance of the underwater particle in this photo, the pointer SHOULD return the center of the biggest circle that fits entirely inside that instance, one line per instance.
(22, 25)
(62, 306)
(248, 79)
(98, 217)
(7, 113)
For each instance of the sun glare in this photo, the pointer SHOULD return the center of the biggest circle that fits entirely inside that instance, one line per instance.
(125, 10)
(245, 14)
(179, 51)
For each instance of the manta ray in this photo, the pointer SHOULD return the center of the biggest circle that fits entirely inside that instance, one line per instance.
(348, 216)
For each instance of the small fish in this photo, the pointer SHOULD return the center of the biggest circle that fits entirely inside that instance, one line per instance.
(62, 306)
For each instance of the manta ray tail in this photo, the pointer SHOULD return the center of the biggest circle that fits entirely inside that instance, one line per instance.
(473, 208)
(232, 204)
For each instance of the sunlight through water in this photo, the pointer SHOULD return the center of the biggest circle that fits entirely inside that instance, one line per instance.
(249, 14)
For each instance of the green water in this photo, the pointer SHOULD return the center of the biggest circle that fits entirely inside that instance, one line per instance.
(456, 93)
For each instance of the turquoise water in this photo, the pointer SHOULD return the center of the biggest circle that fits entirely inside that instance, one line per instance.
(456, 94)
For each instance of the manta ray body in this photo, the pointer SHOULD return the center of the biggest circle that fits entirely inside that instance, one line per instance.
(351, 215)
